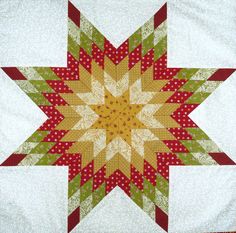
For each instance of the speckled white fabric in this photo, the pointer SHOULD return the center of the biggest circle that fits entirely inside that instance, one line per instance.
(217, 116)
(117, 213)
(202, 199)
(201, 33)
(33, 33)
(19, 116)
(33, 199)
(118, 20)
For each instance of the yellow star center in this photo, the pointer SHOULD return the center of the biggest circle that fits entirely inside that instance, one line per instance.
(117, 116)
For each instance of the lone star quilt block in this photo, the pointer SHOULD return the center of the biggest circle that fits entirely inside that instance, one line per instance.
(117, 116)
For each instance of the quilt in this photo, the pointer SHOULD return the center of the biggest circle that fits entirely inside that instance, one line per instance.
(118, 117)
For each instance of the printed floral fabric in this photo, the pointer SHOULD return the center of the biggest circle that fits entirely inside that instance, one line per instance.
(117, 117)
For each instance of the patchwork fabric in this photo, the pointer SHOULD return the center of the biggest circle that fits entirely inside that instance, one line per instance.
(118, 117)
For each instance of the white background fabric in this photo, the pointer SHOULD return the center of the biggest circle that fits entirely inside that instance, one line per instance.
(33, 199)
(33, 33)
(217, 116)
(19, 116)
(202, 199)
(117, 213)
(118, 20)
(201, 33)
